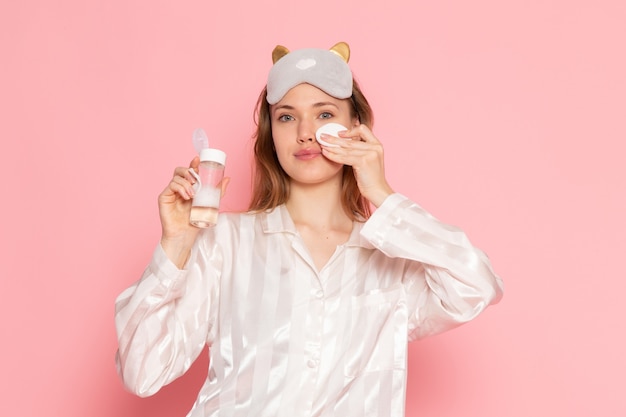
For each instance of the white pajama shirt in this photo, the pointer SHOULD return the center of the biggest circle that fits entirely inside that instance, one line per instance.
(288, 340)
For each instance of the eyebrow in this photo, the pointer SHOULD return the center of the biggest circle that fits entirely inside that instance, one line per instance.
(316, 105)
(325, 103)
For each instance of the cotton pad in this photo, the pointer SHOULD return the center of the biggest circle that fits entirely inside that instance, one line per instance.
(331, 129)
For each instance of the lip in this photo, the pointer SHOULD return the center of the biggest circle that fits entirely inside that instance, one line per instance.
(307, 154)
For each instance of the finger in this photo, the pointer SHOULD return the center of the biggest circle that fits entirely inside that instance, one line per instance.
(360, 132)
(185, 173)
(354, 147)
(182, 187)
(355, 153)
(340, 156)
(195, 163)
(174, 192)
(329, 140)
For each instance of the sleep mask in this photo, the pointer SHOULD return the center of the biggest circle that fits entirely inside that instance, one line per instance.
(326, 69)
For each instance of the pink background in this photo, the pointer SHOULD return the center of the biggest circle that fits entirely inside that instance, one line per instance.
(506, 118)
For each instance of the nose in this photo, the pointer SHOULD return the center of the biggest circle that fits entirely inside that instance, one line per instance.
(306, 132)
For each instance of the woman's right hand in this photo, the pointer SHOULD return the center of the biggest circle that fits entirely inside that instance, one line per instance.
(177, 234)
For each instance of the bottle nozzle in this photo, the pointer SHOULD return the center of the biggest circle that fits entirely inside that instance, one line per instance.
(200, 140)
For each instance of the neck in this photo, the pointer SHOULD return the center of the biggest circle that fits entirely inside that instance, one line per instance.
(317, 205)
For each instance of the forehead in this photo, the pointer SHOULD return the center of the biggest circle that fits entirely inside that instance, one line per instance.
(305, 95)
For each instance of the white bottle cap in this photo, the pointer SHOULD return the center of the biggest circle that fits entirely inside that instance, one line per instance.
(213, 155)
(331, 129)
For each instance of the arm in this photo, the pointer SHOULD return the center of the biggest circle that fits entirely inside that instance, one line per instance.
(448, 281)
(163, 321)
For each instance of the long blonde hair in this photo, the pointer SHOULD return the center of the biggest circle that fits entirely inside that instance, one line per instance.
(271, 182)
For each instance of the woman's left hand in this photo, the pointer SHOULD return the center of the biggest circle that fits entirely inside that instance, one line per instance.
(359, 148)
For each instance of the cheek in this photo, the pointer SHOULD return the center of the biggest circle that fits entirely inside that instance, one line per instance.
(277, 143)
(280, 150)
(281, 137)
(283, 162)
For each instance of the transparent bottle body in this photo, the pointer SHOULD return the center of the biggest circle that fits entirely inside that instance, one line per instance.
(206, 201)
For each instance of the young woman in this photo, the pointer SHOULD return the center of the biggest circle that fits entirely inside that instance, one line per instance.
(308, 300)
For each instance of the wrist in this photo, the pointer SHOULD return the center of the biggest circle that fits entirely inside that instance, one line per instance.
(177, 249)
(378, 197)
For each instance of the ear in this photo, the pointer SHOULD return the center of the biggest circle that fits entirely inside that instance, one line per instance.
(343, 50)
(279, 52)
